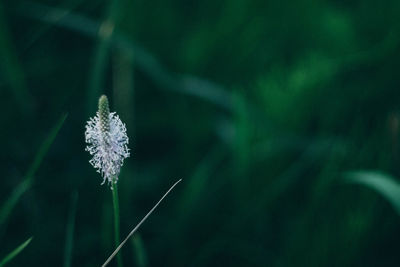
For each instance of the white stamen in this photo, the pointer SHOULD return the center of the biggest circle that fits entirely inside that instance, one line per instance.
(109, 148)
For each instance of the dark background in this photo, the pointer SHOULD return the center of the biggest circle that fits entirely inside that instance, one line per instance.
(261, 107)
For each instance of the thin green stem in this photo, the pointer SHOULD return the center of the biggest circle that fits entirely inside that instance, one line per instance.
(138, 225)
(116, 220)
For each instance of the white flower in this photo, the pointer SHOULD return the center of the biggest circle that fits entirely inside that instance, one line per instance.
(107, 141)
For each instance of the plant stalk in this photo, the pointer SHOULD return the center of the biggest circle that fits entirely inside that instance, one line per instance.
(116, 220)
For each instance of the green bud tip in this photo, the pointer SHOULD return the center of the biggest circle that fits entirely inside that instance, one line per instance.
(104, 114)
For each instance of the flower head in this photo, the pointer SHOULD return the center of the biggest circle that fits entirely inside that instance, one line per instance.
(107, 141)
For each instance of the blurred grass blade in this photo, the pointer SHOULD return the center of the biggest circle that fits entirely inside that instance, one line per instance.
(97, 75)
(102, 52)
(44, 148)
(139, 251)
(311, 156)
(15, 252)
(11, 68)
(199, 182)
(13, 199)
(43, 29)
(69, 235)
(139, 224)
(384, 184)
(58, 17)
(103, 32)
(207, 90)
(124, 87)
(8, 206)
(144, 60)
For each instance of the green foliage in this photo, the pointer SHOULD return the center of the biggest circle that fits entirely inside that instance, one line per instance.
(382, 183)
(260, 106)
(10, 203)
(69, 236)
(15, 252)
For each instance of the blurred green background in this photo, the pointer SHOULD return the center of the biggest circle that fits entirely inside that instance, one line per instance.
(261, 107)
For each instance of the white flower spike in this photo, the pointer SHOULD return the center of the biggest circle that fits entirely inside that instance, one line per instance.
(107, 142)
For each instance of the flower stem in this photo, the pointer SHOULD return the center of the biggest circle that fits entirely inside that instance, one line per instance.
(116, 220)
